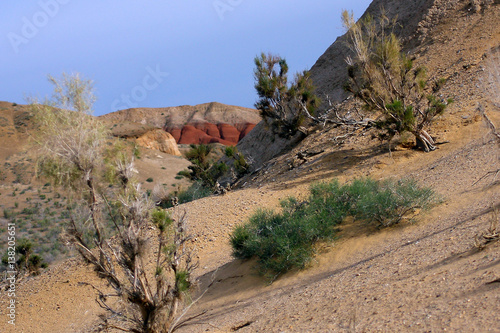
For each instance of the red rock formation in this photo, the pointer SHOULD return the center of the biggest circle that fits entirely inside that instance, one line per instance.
(192, 135)
(246, 129)
(221, 123)
(176, 133)
(210, 129)
(205, 133)
(229, 133)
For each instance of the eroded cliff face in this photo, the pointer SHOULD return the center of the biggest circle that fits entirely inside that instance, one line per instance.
(160, 140)
(205, 133)
(203, 123)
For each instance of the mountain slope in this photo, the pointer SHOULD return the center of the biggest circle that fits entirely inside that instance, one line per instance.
(420, 277)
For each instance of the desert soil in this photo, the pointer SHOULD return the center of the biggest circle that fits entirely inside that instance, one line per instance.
(425, 276)
(420, 277)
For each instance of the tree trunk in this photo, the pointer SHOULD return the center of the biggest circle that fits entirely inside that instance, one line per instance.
(161, 318)
(424, 141)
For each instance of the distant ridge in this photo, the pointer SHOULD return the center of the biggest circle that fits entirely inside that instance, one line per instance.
(204, 123)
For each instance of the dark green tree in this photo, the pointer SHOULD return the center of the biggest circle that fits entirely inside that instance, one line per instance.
(285, 105)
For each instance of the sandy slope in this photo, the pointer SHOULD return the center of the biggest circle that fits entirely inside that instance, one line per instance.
(425, 277)
(422, 277)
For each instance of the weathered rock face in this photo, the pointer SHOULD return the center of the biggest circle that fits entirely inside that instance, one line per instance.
(160, 140)
(205, 133)
(203, 123)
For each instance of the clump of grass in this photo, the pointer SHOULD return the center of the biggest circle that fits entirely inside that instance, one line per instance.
(285, 240)
(194, 192)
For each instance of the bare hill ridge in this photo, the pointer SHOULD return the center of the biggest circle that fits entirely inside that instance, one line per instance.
(204, 123)
(422, 277)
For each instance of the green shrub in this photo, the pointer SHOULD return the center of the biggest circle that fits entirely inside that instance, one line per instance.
(149, 180)
(230, 151)
(136, 152)
(30, 211)
(182, 280)
(194, 192)
(27, 260)
(386, 203)
(284, 105)
(161, 219)
(285, 240)
(383, 77)
(7, 213)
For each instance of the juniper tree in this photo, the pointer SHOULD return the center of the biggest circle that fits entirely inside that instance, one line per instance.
(385, 79)
(285, 105)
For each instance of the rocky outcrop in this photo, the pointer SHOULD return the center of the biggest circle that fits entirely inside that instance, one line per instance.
(203, 123)
(160, 140)
(261, 145)
(205, 133)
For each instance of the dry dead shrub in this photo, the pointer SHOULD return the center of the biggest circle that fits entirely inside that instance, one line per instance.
(146, 258)
(490, 235)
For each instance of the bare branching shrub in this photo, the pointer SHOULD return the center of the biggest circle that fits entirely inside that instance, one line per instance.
(284, 105)
(384, 79)
(491, 86)
(491, 234)
(77, 152)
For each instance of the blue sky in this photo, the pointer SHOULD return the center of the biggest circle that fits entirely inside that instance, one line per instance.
(160, 53)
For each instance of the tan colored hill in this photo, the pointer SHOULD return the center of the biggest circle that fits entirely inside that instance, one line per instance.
(203, 123)
(422, 277)
(39, 207)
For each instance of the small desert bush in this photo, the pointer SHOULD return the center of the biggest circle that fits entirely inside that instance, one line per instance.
(285, 240)
(386, 203)
(230, 151)
(194, 192)
(203, 169)
(27, 261)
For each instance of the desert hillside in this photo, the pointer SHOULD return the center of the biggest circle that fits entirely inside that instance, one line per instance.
(423, 276)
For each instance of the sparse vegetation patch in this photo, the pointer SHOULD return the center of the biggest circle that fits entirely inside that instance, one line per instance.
(285, 240)
(386, 81)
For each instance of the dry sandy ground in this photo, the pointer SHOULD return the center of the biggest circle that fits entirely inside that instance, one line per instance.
(425, 277)
(422, 277)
